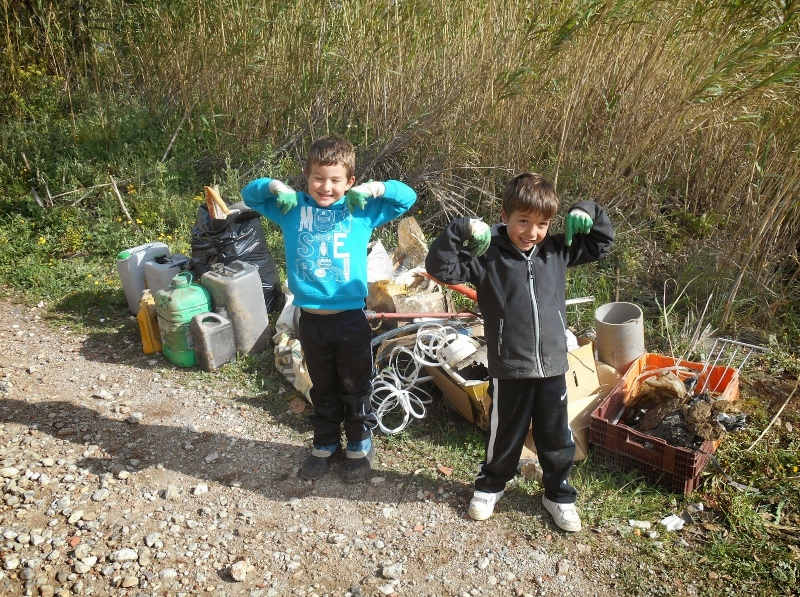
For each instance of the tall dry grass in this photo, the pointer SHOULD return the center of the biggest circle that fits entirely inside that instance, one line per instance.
(653, 108)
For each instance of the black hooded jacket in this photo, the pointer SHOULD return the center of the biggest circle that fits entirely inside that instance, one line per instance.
(521, 297)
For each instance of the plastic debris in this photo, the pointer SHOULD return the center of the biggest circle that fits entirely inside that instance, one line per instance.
(672, 523)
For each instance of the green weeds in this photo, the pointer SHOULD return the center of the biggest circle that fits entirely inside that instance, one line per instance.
(680, 119)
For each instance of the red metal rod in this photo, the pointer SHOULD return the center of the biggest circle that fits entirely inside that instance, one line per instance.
(463, 289)
(375, 315)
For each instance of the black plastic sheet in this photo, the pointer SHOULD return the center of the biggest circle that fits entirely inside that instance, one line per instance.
(238, 237)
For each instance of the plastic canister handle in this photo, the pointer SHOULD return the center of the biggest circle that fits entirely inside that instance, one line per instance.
(182, 278)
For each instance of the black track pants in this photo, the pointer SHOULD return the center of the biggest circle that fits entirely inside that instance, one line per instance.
(338, 357)
(516, 403)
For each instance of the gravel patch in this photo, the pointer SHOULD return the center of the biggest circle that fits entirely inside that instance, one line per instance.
(123, 475)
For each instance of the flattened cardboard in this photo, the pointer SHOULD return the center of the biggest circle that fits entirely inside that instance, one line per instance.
(470, 398)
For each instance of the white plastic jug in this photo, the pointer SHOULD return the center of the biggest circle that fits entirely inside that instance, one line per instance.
(130, 265)
(158, 272)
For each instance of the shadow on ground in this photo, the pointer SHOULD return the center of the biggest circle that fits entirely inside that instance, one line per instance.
(263, 467)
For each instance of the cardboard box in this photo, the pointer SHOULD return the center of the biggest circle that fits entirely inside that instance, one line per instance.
(470, 398)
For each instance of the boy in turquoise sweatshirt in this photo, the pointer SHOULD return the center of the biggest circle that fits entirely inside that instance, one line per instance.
(326, 231)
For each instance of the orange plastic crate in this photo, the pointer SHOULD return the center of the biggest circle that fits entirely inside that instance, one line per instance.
(623, 448)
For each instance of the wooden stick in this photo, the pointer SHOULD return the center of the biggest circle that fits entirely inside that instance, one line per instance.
(36, 197)
(97, 186)
(214, 194)
(175, 136)
(777, 414)
(210, 203)
(33, 189)
(79, 199)
(121, 202)
(41, 177)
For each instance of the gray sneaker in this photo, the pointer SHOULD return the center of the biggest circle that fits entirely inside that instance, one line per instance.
(318, 462)
(358, 464)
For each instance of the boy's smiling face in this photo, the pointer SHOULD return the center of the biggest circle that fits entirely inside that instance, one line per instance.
(525, 229)
(328, 184)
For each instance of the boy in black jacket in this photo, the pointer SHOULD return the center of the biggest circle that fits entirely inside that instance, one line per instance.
(519, 270)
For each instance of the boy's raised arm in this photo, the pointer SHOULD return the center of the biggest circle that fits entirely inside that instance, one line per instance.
(449, 260)
(357, 196)
(259, 193)
(592, 233)
(394, 200)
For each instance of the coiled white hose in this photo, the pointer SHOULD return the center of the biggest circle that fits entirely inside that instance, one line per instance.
(397, 388)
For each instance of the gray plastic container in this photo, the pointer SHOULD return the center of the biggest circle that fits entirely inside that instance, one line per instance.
(620, 334)
(130, 265)
(236, 293)
(159, 272)
(214, 344)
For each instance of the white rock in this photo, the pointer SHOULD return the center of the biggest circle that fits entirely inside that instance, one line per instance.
(392, 572)
(124, 555)
(151, 539)
(82, 550)
(11, 562)
(81, 567)
(100, 495)
(240, 569)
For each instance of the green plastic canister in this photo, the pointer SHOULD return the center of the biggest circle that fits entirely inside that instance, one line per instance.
(175, 307)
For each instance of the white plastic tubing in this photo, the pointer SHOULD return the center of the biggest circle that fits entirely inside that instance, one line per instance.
(397, 388)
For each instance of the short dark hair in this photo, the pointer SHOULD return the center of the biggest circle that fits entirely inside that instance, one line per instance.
(530, 191)
(330, 151)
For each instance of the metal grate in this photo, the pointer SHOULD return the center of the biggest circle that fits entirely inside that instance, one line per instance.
(733, 355)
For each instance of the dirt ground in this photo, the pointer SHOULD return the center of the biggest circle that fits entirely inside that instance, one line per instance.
(124, 475)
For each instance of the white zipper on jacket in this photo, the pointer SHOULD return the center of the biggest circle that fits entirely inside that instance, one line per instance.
(537, 348)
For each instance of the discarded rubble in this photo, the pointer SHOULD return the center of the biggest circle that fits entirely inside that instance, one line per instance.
(664, 407)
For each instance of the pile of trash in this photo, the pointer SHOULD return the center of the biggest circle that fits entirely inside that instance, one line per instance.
(399, 292)
(667, 408)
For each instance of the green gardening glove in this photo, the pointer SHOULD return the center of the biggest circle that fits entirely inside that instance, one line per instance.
(356, 197)
(285, 196)
(577, 222)
(480, 235)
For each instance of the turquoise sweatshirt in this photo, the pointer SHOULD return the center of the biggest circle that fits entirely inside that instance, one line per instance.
(326, 247)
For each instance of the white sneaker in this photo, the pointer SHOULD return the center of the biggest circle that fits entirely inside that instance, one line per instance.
(565, 515)
(482, 504)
